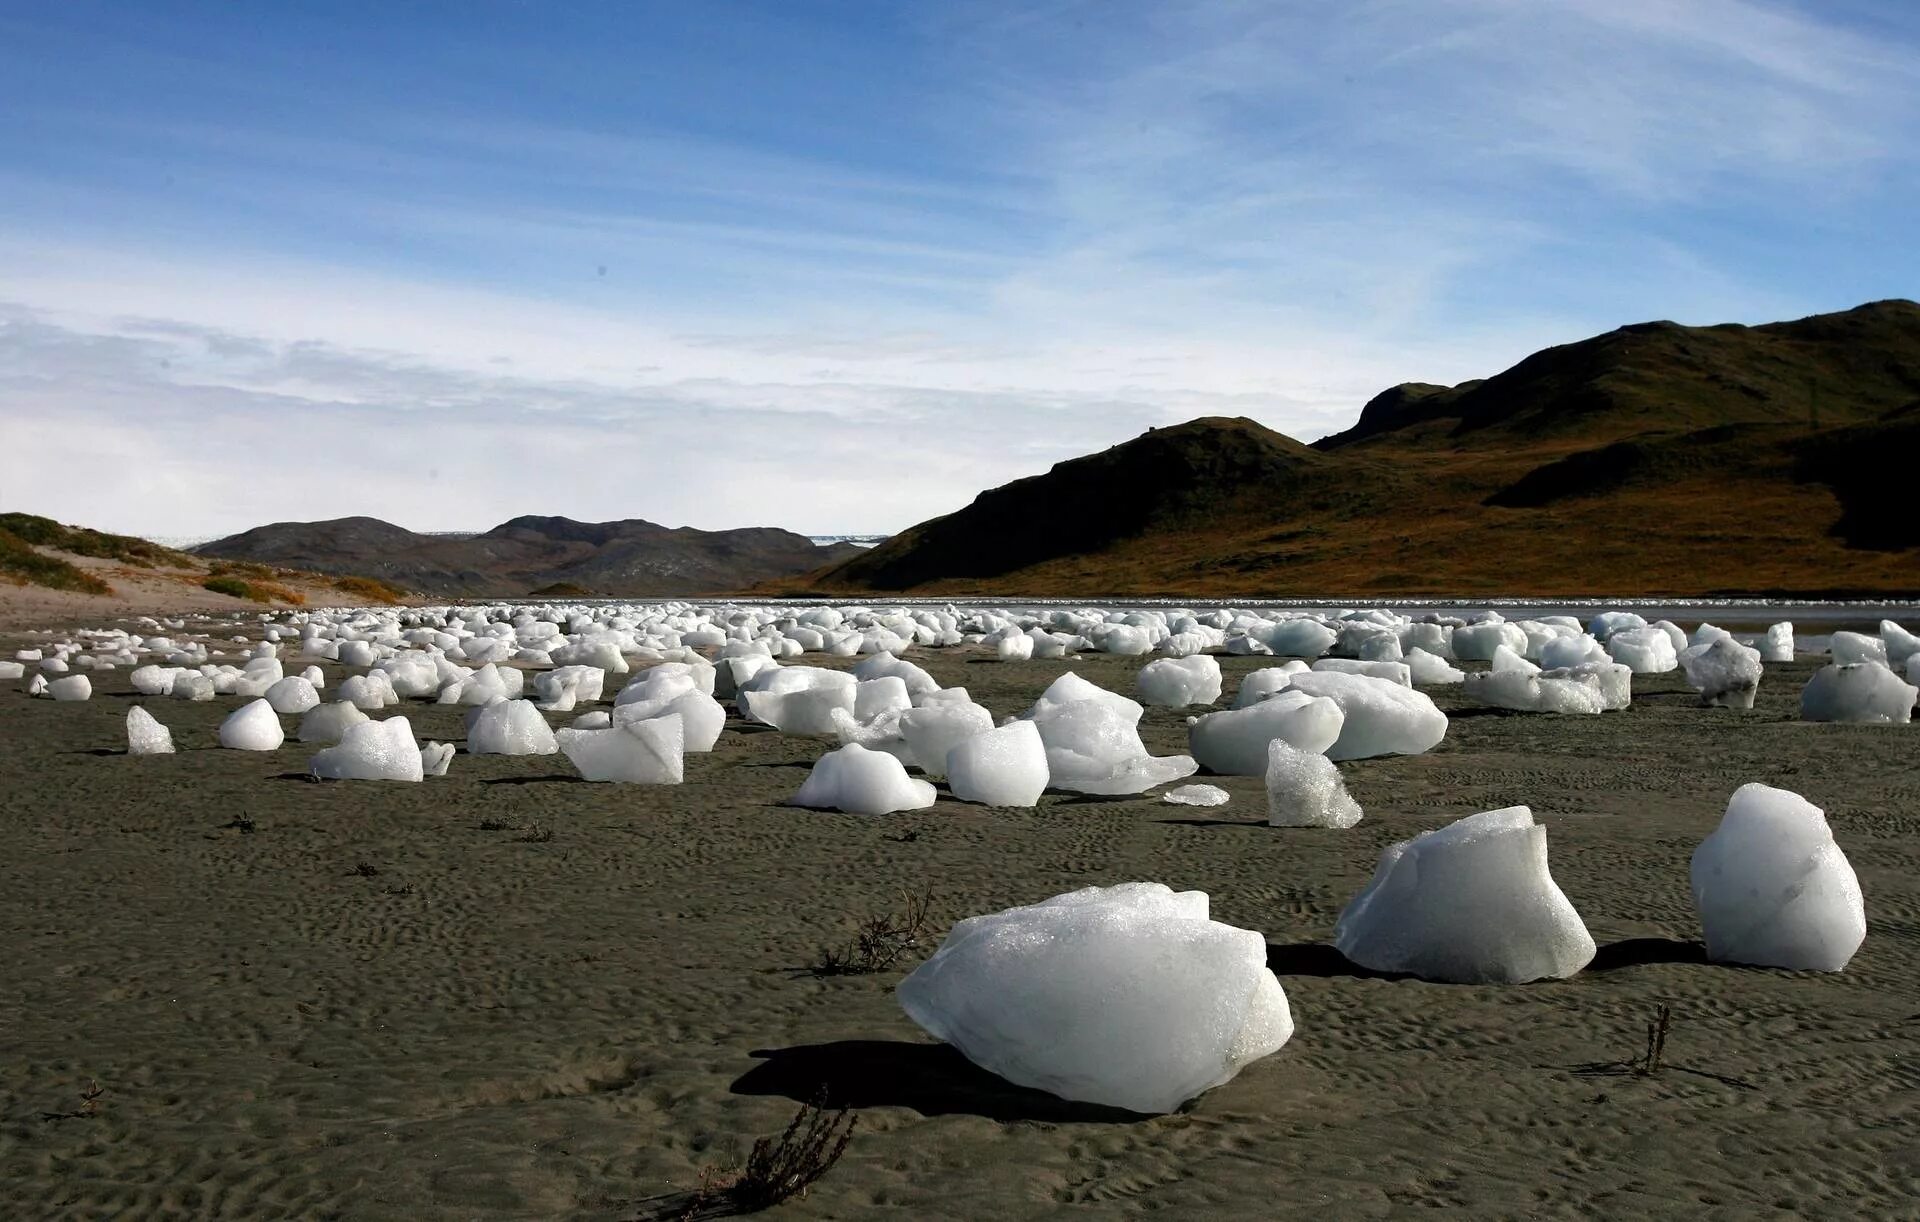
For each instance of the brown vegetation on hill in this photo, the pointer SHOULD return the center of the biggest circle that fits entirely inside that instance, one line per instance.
(1655, 459)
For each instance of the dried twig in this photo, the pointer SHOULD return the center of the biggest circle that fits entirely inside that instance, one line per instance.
(882, 941)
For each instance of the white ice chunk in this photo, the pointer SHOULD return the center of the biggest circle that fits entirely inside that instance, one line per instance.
(1304, 789)
(1472, 903)
(326, 723)
(862, 782)
(372, 751)
(1003, 767)
(511, 727)
(1848, 647)
(73, 687)
(1724, 672)
(291, 695)
(645, 752)
(145, 734)
(252, 727)
(1645, 651)
(1431, 670)
(702, 718)
(1381, 718)
(1175, 683)
(1196, 795)
(1858, 691)
(1772, 887)
(934, 730)
(1234, 742)
(1126, 996)
(1257, 685)
(435, 757)
(1778, 646)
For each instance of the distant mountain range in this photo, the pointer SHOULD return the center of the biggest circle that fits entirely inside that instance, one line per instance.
(536, 555)
(1654, 459)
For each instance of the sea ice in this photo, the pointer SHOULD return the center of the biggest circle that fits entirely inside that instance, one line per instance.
(1126, 996)
(1196, 795)
(73, 687)
(1175, 683)
(371, 751)
(1003, 767)
(145, 735)
(1234, 742)
(1471, 903)
(1304, 789)
(511, 727)
(1380, 718)
(1858, 692)
(1724, 672)
(862, 782)
(252, 727)
(1773, 889)
(644, 752)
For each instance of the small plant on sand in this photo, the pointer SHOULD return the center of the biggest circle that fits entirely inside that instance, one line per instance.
(496, 825)
(89, 1105)
(242, 823)
(1651, 1061)
(365, 869)
(778, 1169)
(882, 941)
(536, 833)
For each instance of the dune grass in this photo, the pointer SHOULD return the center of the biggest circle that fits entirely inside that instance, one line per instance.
(22, 565)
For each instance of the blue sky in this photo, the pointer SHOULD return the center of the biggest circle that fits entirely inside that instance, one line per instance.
(840, 266)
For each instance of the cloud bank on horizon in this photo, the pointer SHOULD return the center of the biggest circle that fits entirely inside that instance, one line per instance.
(838, 268)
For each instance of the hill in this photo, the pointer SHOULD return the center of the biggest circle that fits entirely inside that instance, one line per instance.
(625, 559)
(1654, 459)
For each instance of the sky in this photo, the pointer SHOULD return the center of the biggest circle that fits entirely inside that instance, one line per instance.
(839, 267)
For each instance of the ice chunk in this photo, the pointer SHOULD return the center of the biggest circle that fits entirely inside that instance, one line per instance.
(645, 752)
(326, 723)
(1898, 643)
(1773, 889)
(1014, 647)
(702, 718)
(1304, 789)
(1536, 692)
(1431, 670)
(371, 751)
(1645, 651)
(1505, 659)
(1175, 683)
(1477, 642)
(145, 735)
(15, 670)
(252, 727)
(1093, 741)
(1003, 767)
(1126, 996)
(862, 782)
(1381, 718)
(599, 719)
(1858, 691)
(1297, 638)
(151, 680)
(1472, 903)
(1849, 647)
(1778, 646)
(874, 697)
(1196, 795)
(1724, 672)
(511, 727)
(1566, 651)
(370, 692)
(1234, 742)
(73, 687)
(292, 695)
(1392, 672)
(435, 757)
(1257, 685)
(934, 730)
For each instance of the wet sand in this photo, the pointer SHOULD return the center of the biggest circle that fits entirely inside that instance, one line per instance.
(385, 1002)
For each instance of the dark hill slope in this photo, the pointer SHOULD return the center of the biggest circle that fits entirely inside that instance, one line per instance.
(1655, 459)
(626, 559)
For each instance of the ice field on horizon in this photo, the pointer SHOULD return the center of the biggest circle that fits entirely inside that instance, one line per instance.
(1058, 993)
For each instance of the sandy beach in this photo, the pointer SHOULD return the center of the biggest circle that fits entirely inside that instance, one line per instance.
(392, 1001)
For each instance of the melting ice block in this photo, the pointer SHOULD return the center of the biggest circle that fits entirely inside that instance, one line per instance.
(371, 751)
(1857, 691)
(1304, 789)
(932, 731)
(511, 727)
(1196, 795)
(1773, 889)
(1003, 767)
(1234, 742)
(435, 757)
(291, 695)
(1724, 672)
(73, 687)
(1093, 742)
(1469, 903)
(145, 734)
(651, 751)
(1126, 996)
(252, 727)
(862, 782)
(325, 723)
(1645, 651)
(1175, 683)
(1379, 717)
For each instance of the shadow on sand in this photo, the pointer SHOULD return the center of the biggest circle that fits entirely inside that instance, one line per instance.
(931, 1079)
